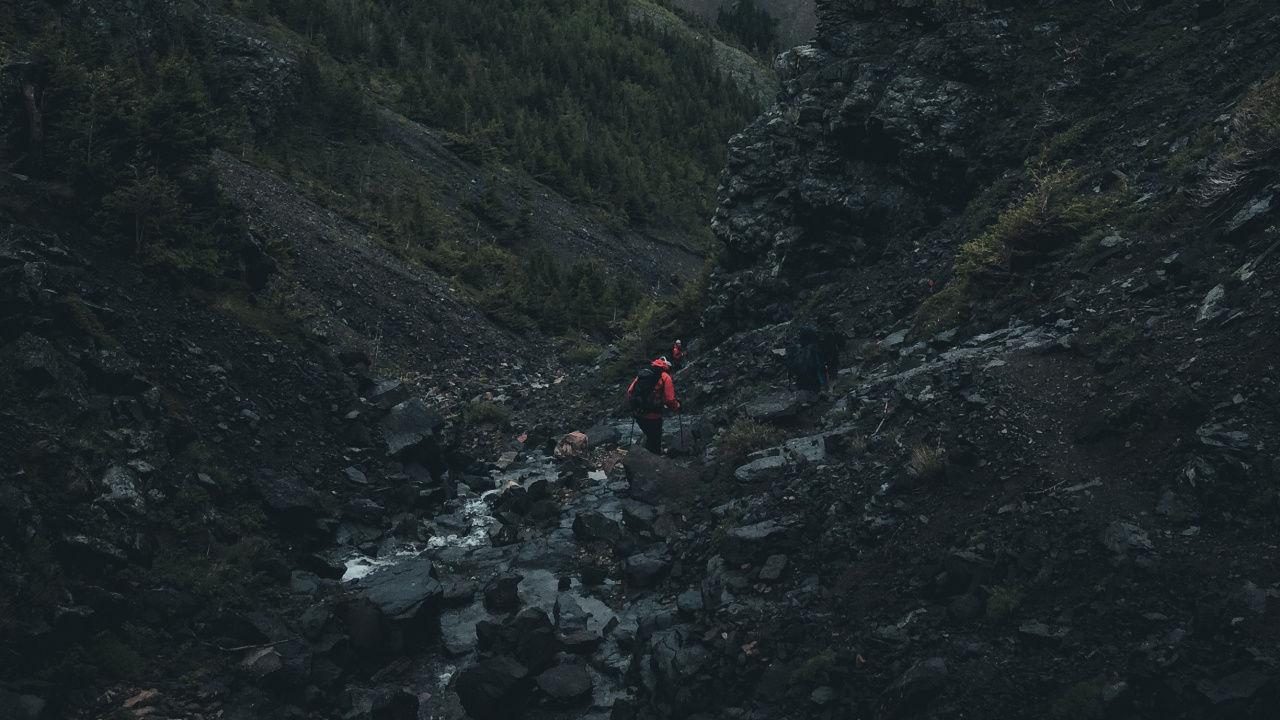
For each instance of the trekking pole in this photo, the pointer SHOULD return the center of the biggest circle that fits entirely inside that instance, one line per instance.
(680, 415)
(632, 439)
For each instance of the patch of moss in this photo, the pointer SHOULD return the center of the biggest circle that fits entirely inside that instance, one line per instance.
(942, 310)
(1004, 600)
(87, 320)
(1118, 336)
(1082, 701)
(486, 412)
(815, 668)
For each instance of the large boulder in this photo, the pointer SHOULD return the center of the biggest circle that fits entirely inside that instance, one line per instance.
(655, 479)
(769, 468)
(781, 405)
(590, 525)
(287, 499)
(394, 608)
(495, 689)
(566, 684)
(412, 432)
(755, 543)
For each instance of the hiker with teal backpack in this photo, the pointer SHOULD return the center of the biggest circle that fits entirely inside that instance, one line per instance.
(652, 392)
(805, 364)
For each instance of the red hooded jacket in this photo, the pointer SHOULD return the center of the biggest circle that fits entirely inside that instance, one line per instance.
(664, 392)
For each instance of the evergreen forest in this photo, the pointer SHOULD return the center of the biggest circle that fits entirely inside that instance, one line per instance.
(607, 109)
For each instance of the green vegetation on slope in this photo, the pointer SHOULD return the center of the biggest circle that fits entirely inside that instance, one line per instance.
(609, 110)
(574, 92)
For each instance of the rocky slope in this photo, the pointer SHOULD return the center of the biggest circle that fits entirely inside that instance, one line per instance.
(1042, 488)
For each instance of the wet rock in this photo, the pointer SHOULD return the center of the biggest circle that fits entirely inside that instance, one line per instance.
(411, 430)
(656, 479)
(302, 582)
(394, 704)
(753, 543)
(502, 594)
(603, 435)
(638, 516)
(394, 608)
(566, 684)
(770, 468)
(580, 641)
(495, 689)
(459, 594)
(287, 499)
(502, 535)
(644, 569)
(568, 612)
(590, 526)
(388, 393)
(689, 603)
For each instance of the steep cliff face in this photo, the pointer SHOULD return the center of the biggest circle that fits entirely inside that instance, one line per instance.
(900, 115)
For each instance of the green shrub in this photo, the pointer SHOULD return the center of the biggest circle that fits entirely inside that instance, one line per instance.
(744, 437)
(926, 461)
(1082, 701)
(1117, 336)
(486, 412)
(1004, 600)
(579, 351)
(942, 310)
(814, 668)
(1052, 211)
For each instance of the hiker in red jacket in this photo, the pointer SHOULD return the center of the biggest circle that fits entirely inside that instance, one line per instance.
(650, 393)
(678, 355)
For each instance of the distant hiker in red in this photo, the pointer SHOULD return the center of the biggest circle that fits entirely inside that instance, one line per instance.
(678, 356)
(650, 393)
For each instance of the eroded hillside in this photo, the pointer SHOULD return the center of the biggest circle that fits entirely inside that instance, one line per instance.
(1041, 480)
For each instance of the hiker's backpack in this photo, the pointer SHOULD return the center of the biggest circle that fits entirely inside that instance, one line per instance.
(641, 398)
(806, 367)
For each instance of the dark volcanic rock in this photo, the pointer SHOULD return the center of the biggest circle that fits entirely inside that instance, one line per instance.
(287, 499)
(495, 689)
(114, 372)
(411, 431)
(503, 593)
(644, 569)
(567, 684)
(591, 525)
(656, 479)
(754, 543)
(395, 608)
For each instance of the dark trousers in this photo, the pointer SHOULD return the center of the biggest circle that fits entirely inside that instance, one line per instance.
(652, 429)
